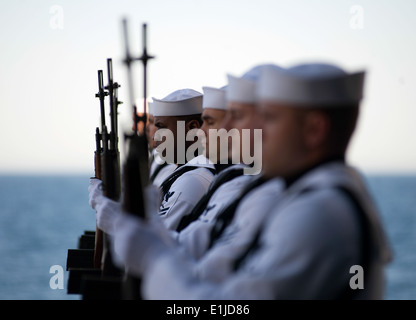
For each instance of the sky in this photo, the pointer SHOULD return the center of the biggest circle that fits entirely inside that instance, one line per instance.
(51, 51)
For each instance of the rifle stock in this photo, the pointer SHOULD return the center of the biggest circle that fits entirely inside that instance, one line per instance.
(136, 175)
(110, 170)
(111, 187)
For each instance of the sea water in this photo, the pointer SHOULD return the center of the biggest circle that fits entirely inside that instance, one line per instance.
(41, 217)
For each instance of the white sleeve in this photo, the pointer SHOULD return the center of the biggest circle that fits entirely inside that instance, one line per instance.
(171, 277)
(163, 174)
(195, 238)
(183, 195)
(305, 252)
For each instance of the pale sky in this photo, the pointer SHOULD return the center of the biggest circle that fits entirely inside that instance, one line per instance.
(49, 66)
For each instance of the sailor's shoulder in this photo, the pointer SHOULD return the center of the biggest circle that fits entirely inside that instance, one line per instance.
(197, 174)
(200, 161)
(321, 212)
(334, 174)
(238, 182)
(195, 180)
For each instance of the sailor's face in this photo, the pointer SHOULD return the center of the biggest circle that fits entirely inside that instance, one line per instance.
(212, 120)
(177, 129)
(242, 116)
(169, 123)
(283, 139)
(165, 122)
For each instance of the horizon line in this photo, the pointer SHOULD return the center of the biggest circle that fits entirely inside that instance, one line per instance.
(90, 173)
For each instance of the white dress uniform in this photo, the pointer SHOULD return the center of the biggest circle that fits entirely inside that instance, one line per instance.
(159, 170)
(217, 263)
(304, 245)
(182, 190)
(309, 239)
(186, 191)
(194, 239)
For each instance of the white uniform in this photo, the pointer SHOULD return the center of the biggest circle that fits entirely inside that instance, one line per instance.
(186, 191)
(307, 244)
(160, 174)
(195, 237)
(217, 263)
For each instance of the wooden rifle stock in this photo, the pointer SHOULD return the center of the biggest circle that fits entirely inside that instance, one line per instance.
(136, 175)
(110, 174)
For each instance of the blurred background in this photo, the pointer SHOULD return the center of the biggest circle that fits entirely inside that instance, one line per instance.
(51, 51)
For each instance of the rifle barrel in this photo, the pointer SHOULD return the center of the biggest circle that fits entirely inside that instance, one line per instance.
(127, 61)
(101, 95)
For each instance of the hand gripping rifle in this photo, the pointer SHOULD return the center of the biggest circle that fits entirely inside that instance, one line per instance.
(136, 167)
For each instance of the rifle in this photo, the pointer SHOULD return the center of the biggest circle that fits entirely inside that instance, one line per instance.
(107, 169)
(98, 247)
(103, 282)
(136, 167)
(110, 168)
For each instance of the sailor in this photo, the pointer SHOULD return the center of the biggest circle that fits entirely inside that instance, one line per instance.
(179, 114)
(212, 240)
(247, 204)
(198, 236)
(193, 232)
(322, 226)
(159, 169)
(214, 107)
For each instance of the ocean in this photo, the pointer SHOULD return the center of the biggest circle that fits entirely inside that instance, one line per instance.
(41, 217)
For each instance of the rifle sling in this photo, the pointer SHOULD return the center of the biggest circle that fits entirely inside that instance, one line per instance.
(202, 204)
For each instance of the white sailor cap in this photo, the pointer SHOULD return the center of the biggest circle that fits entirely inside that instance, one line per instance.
(150, 107)
(243, 89)
(179, 103)
(214, 98)
(311, 84)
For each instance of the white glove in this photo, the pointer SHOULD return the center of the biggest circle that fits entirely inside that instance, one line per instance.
(135, 244)
(107, 212)
(95, 190)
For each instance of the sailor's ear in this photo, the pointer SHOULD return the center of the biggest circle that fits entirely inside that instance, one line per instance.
(192, 124)
(316, 128)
